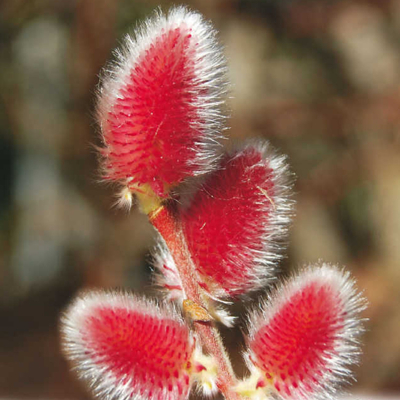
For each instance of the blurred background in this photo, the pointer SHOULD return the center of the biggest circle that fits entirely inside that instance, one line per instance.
(320, 79)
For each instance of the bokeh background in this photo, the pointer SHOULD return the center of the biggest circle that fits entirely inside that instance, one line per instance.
(320, 79)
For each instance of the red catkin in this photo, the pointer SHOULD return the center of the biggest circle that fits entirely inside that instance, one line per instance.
(159, 108)
(305, 336)
(128, 346)
(236, 222)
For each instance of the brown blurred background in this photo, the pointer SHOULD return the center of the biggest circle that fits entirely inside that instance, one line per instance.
(320, 79)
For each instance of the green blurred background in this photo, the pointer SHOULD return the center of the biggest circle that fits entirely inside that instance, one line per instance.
(320, 79)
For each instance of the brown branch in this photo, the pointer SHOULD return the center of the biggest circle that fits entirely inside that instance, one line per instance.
(165, 222)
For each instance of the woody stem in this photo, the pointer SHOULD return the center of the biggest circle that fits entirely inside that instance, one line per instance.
(164, 220)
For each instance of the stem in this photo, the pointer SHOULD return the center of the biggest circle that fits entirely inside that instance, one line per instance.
(164, 221)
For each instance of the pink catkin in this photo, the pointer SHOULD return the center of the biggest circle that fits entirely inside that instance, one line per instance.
(160, 110)
(129, 347)
(307, 337)
(236, 219)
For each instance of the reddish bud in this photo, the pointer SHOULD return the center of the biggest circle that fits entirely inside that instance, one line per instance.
(236, 221)
(160, 106)
(128, 348)
(304, 338)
